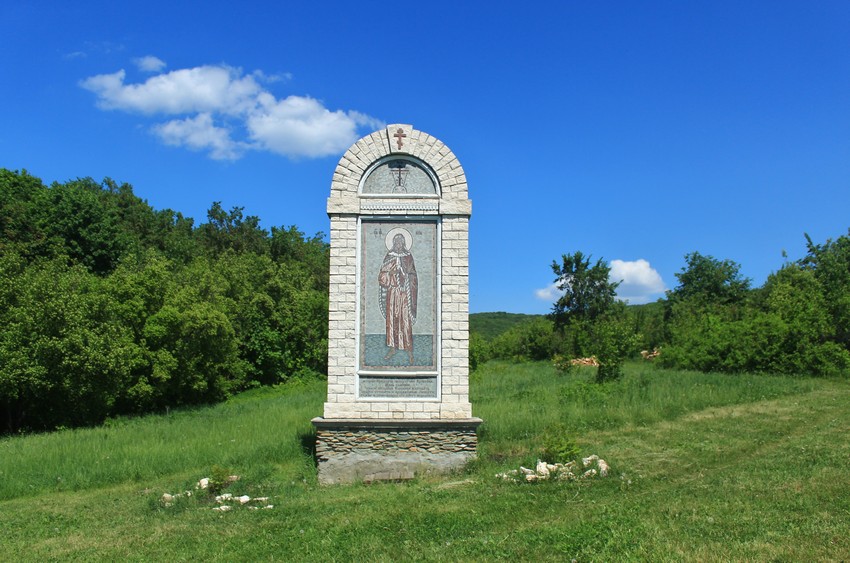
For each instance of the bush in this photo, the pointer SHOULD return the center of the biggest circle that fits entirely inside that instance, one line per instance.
(563, 364)
(614, 341)
(558, 445)
(533, 340)
(479, 351)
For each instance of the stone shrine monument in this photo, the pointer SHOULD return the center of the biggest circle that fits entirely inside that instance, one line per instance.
(398, 344)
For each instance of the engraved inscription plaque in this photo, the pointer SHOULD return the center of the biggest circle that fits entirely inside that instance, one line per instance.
(398, 387)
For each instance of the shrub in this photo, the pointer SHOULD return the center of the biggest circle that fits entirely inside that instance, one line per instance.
(529, 341)
(479, 351)
(558, 445)
(614, 341)
(563, 364)
(220, 479)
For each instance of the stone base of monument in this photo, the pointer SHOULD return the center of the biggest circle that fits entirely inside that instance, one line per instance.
(349, 450)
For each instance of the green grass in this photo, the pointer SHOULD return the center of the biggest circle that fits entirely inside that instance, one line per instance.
(706, 467)
(258, 429)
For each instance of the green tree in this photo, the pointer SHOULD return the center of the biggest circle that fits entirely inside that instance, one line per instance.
(810, 339)
(647, 322)
(830, 263)
(587, 291)
(531, 340)
(79, 225)
(21, 202)
(65, 357)
(479, 351)
(587, 294)
(706, 315)
(232, 230)
(707, 280)
(108, 306)
(613, 341)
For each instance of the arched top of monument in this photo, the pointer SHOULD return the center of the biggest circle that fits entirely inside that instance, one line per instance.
(374, 172)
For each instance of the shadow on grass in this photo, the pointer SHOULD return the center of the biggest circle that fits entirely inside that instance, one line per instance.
(308, 444)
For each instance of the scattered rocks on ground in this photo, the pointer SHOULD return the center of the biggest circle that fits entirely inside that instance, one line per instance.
(167, 500)
(592, 466)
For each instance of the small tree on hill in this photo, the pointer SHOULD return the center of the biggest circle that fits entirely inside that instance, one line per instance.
(586, 295)
(588, 315)
(706, 280)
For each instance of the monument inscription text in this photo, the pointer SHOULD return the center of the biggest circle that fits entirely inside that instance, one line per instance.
(382, 387)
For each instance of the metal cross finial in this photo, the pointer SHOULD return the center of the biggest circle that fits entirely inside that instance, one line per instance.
(399, 135)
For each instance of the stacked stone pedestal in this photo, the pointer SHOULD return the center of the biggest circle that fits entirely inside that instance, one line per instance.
(394, 411)
(368, 450)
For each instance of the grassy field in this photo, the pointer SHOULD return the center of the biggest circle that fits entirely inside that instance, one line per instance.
(705, 467)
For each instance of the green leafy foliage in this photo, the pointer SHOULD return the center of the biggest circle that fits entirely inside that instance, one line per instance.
(648, 324)
(613, 343)
(830, 263)
(491, 325)
(532, 340)
(109, 307)
(558, 445)
(793, 324)
(707, 280)
(61, 345)
(587, 295)
(479, 351)
(587, 291)
(220, 479)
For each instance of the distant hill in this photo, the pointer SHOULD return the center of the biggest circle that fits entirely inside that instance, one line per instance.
(491, 325)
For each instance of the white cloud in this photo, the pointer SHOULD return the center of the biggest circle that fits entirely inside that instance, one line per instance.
(210, 96)
(549, 293)
(192, 90)
(301, 125)
(149, 64)
(199, 133)
(639, 282)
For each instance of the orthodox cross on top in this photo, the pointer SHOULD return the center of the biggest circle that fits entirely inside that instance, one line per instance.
(400, 135)
(399, 172)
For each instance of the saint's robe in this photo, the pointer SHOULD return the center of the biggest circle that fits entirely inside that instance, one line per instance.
(399, 287)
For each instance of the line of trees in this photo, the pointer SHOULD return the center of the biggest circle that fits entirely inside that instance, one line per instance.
(110, 307)
(797, 323)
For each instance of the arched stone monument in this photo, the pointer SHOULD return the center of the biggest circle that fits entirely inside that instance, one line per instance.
(398, 345)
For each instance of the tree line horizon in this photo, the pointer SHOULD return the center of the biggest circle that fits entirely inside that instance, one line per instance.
(796, 323)
(109, 307)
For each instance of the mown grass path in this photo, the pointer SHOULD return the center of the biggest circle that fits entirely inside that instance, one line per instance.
(765, 479)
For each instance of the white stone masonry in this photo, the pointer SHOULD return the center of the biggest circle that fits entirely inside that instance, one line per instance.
(452, 209)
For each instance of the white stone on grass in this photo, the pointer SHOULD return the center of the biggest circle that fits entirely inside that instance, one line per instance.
(565, 472)
(588, 460)
(603, 468)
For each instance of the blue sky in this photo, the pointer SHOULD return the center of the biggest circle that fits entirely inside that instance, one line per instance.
(633, 131)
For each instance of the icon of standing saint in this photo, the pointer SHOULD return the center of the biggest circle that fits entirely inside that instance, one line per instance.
(398, 292)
